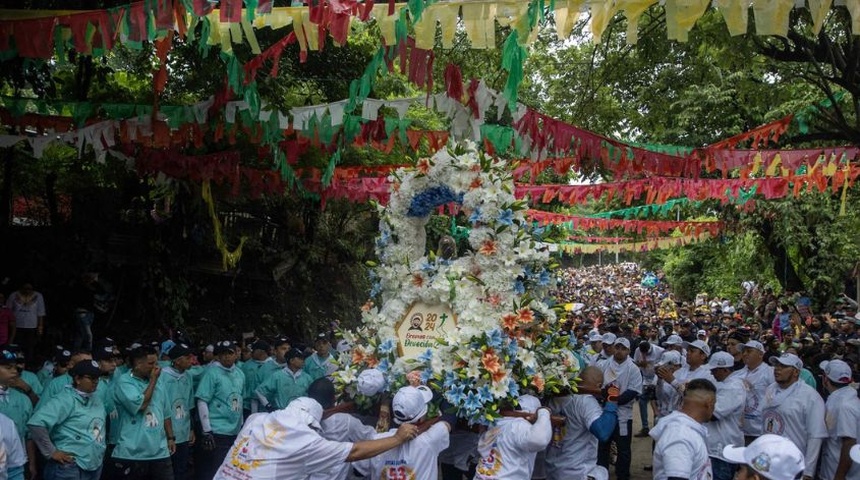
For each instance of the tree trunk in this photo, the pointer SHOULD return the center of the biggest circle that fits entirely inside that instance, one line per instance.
(782, 265)
(51, 199)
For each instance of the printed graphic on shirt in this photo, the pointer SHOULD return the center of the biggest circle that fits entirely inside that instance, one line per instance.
(179, 412)
(239, 456)
(558, 434)
(705, 472)
(490, 464)
(752, 400)
(773, 422)
(150, 420)
(97, 428)
(396, 470)
(235, 402)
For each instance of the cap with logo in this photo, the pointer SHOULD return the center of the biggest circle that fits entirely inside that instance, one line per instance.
(594, 336)
(179, 350)
(670, 357)
(103, 353)
(787, 359)
(609, 338)
(771, 456)
(721, 360)
(225, 346)
(62, 356)
(836, 370)
(294, 353)
(673, 340)
(699, 345)
(410, 404)
(260, 345)
(755, 345)
(87, 368)
(7, 356)
(282, 340)
(622, 341)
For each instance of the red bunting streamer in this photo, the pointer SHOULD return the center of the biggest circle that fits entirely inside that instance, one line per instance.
(649, 228)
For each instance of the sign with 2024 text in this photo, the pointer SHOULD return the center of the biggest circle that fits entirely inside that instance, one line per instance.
(421, 326)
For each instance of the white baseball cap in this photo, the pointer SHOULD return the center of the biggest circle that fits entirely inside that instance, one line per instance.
(529, 403)
(754, 345)
(674, 340)
(771, 456)
(836, 370)
(701, 333)
(622, 341)
(789, 360)
(410, 404)
(598, 473)
(609, 338)
(721, 360)
(670, 357)
(370, 382)
(699, 345)
(308, 409)
(595, 336)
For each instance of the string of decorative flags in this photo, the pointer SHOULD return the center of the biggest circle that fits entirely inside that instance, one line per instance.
(578, 248)
(38, 33)
(649, 228)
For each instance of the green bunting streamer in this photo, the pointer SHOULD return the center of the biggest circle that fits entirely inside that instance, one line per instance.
(513, 56)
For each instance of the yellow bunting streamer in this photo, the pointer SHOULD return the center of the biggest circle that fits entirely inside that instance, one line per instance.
(682, 15)
(735, 14)
(771, 17)
(229, 259)
(818, 9)
(566, 15)
(633, 9)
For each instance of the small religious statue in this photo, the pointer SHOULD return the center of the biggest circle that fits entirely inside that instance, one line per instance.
(447, 248)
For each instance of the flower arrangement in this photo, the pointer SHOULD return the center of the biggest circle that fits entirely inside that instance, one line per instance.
(507, 337)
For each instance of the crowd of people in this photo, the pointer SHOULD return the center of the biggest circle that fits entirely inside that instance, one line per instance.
(759, 387)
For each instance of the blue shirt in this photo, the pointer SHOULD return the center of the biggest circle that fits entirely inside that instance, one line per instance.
(76, 424)
(179, 394)
(141, 435)
(222, 389)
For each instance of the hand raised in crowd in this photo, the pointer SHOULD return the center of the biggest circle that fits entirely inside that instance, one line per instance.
(406, 432)
(665, 374)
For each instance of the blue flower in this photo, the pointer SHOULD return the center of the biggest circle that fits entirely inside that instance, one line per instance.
(530, 371)
(450, 379)
(375, 289)
(383, 366)
(386, 347)
(475, 217)
(512, 348)
(519, 287)
(544, 278)
(485, 394)
(426, 356)
(494, 338)
(472, 402)
(506, 217)
(455, 396)
(426, 375)
(513, 389)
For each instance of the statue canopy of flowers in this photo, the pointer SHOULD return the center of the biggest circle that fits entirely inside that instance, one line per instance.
(507, 336)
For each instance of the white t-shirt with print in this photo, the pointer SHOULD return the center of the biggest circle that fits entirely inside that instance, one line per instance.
(507, 450)
(280, 445)
(414, 460)
(729, 411)
(755, 382)
(680, 449)
(796, 413)
(842, 419)
(572, 455)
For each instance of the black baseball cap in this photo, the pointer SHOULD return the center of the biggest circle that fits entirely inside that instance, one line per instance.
(179, 350)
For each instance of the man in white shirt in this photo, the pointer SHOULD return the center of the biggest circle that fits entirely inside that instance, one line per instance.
(572, 453)
(769, 457)
(645, 357)
(756, 376)
(725, 426)
(842, 418)
(337, 427)
(13, 457)
(680, 451)
(668, 397)
(508, 449)
(696, 368)
(418, 459)
(608, 343)
(794, 410)
(620, 372)
(287, 444)
(594, 349)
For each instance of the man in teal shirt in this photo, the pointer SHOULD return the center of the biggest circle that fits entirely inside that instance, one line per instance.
(285, 385)
(322, 363)
(69, 428)
(178, 390)
(60, 382)
(16, 405)
(219, 406)
(58, 366)
(146, 438)
(256, 370)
